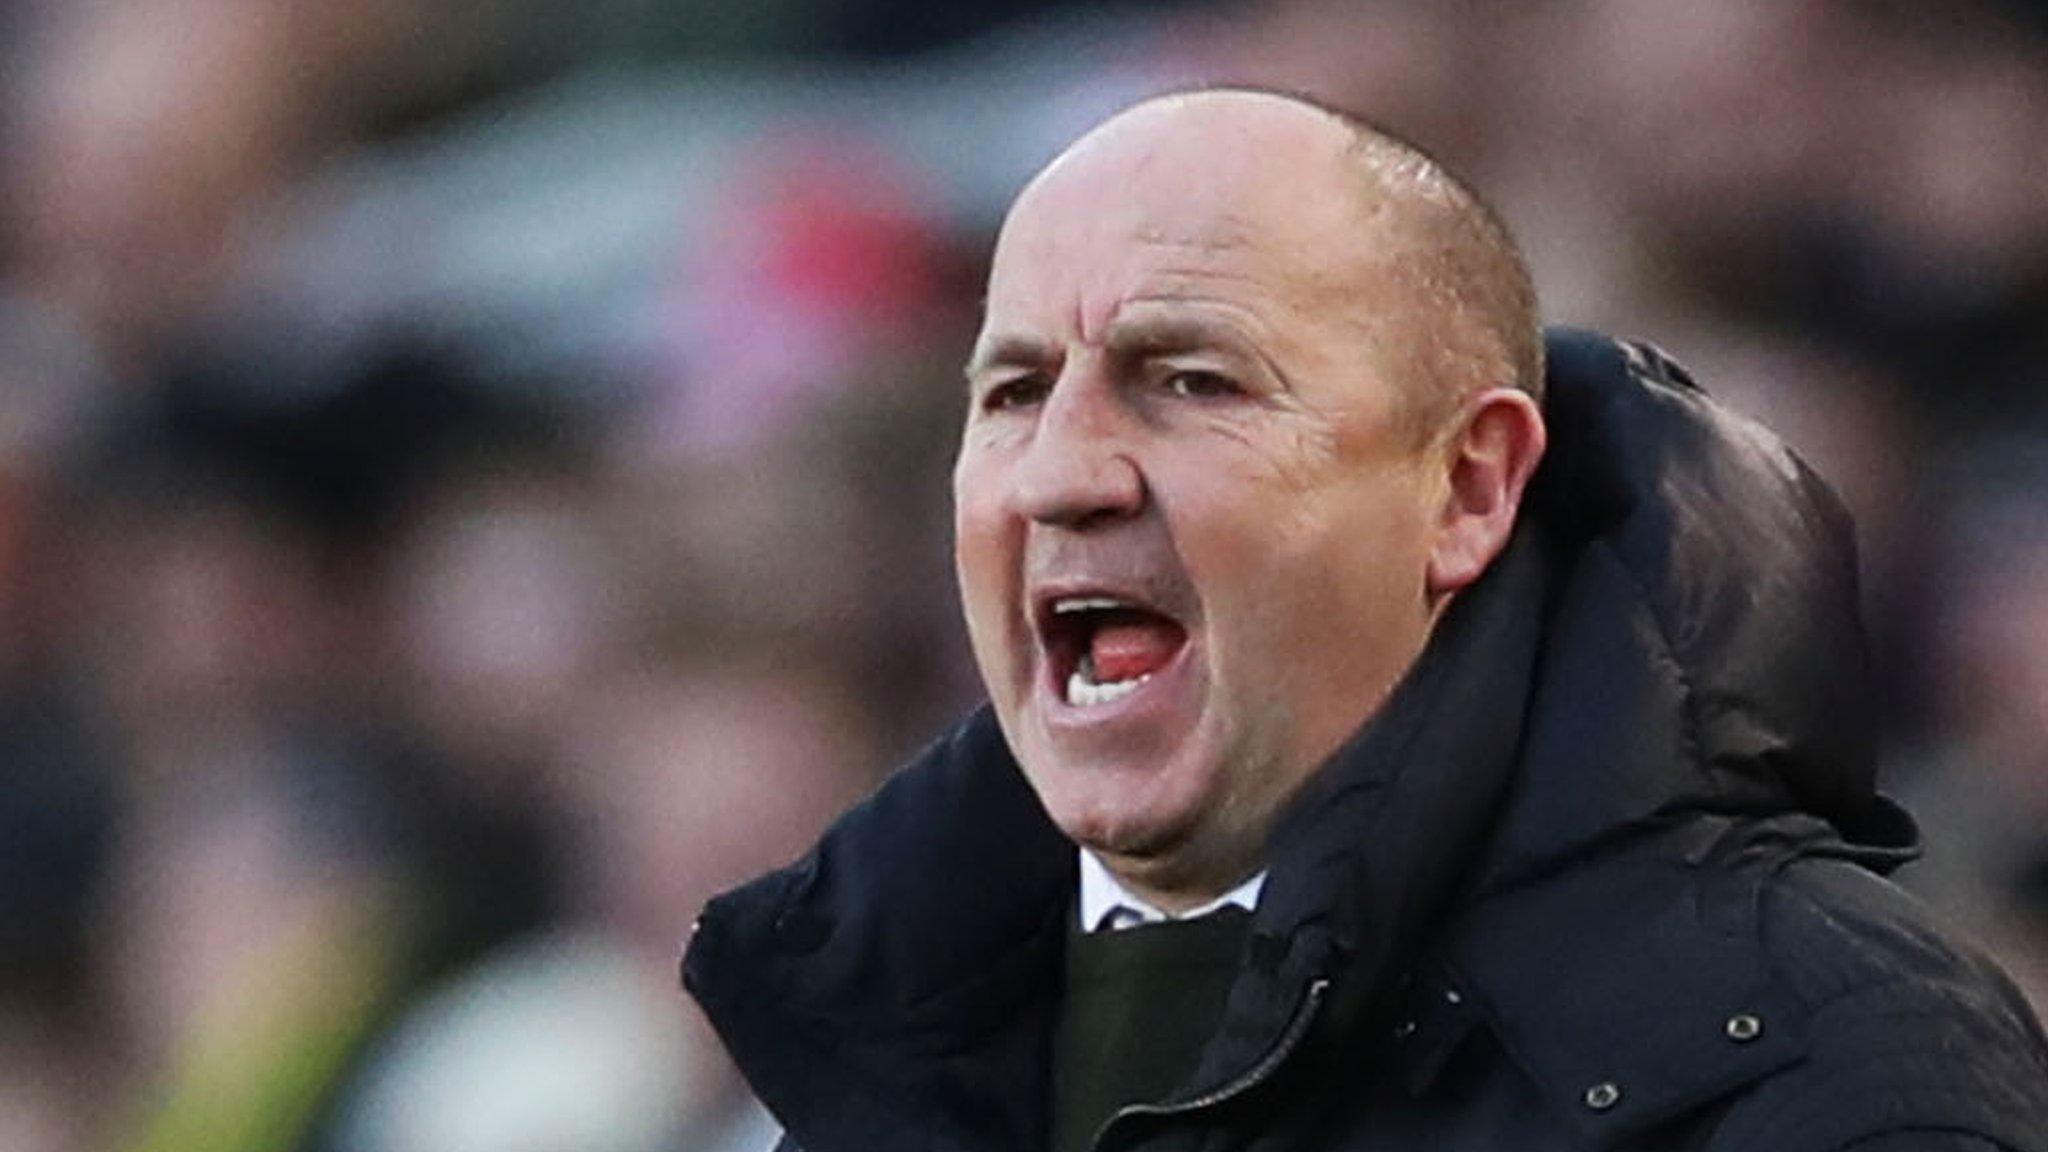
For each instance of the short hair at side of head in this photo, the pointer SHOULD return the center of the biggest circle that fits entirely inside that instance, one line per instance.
(1466, 269)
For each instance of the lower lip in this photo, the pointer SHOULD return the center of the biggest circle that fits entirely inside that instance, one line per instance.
(1158, 694)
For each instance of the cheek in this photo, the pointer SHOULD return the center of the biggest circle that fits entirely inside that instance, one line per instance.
(986, 558)
(1308, 583)
(978, 524)
(1373, 566)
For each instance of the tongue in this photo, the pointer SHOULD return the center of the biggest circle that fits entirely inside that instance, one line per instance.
(1128, 649)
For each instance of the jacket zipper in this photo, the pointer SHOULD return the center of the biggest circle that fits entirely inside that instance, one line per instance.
(1260, 1071)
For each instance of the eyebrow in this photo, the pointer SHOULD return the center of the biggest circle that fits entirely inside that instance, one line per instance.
(1148, 336)
(1011, 352)
(1127, 340)
(1167, 335)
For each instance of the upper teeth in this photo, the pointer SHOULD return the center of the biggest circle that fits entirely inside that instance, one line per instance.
(1067, 604)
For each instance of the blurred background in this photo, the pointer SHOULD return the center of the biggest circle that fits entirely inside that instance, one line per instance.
(473, 475)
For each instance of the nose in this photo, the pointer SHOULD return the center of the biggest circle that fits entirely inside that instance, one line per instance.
(1078, 469)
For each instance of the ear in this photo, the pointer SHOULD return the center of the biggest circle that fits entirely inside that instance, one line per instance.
(1490, 454)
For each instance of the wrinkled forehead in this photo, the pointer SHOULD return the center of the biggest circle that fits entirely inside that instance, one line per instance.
(1205, 171)
(1182, 196)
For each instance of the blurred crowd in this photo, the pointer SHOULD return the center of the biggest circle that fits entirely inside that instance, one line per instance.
(473, 476)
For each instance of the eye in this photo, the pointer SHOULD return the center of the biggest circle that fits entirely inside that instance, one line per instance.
(1021, 392)
(1197, 384)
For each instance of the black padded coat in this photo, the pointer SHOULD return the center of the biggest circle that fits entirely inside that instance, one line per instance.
(1605, 873)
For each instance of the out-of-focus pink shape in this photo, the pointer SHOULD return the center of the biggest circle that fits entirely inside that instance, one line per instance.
(820, 262)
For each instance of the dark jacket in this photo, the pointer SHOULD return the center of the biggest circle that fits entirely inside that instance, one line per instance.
(1604, 873)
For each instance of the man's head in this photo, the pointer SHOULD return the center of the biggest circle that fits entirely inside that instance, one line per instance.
(1252, 400)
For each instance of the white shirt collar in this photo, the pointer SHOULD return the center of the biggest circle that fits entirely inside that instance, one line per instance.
(1102, 893)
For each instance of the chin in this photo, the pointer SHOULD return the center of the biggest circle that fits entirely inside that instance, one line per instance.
(1137, 814)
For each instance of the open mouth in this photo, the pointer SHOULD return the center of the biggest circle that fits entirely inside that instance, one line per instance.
(1103, 648)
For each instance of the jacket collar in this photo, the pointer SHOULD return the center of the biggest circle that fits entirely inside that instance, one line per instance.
(894, 987)
(1697, 704)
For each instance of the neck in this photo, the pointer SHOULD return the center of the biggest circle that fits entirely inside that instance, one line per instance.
(1172, 894)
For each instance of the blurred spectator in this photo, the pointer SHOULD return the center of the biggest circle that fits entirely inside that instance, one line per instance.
(683, 782)
(1980, 784)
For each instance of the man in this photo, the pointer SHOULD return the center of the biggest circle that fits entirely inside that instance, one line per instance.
(1549, 795)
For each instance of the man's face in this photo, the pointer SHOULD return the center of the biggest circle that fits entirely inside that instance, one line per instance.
(1192, 526)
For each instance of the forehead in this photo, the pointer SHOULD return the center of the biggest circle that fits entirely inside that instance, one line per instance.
(1256, 208)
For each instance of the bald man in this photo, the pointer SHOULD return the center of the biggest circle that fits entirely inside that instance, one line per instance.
(1348, 780)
